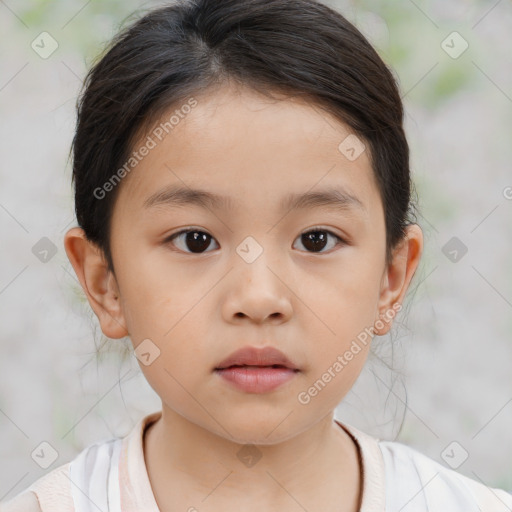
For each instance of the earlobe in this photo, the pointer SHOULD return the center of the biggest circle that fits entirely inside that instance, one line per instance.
(397, 277)
(98, 283)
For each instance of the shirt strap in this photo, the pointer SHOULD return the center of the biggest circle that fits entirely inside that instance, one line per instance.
(94, 476)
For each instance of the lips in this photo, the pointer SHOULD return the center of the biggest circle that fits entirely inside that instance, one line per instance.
(257, 370)
(257, 357)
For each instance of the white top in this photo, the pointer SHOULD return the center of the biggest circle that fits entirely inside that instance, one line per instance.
(111, 476)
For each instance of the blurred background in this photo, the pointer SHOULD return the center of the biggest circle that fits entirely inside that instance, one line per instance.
(448, 393)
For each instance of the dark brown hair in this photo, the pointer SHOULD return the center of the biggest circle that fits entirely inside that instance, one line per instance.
(189, 47)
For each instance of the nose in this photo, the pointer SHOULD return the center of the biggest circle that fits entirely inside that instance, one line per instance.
(258, 292)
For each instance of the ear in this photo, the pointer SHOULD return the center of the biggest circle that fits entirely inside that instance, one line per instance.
(98, 283)
(397, 277)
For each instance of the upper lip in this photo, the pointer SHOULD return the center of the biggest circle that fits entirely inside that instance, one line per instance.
(252, 356)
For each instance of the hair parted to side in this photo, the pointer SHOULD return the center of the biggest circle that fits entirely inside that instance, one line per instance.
(295, 47)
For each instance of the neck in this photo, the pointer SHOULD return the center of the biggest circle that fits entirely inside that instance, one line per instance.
(317, 468)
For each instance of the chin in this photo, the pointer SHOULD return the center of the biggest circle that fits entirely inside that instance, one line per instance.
(258, 428)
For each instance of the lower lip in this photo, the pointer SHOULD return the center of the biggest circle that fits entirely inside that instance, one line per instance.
(257, 379)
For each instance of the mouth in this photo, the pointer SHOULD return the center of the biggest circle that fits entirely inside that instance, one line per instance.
(256, 379)
(253, 358)
(257, 371)
(257, 366)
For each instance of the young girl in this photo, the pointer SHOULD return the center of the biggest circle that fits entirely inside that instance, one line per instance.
(243, 193)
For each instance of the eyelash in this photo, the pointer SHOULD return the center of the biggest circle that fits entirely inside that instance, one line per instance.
(341, 241)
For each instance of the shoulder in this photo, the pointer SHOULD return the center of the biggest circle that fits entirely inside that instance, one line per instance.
(56, 491)
(50, 492)
(25, 502)
(92, 476)
(414, 482)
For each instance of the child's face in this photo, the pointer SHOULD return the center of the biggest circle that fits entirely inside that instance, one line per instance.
(199, 307)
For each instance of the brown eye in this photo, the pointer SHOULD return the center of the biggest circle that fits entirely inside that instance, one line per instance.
(196, 241)
(192, 240)
(317, 239)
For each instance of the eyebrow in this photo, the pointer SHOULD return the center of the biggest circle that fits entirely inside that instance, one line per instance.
(177, 195)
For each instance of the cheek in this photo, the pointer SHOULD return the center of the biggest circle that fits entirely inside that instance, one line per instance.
(170, 376)
(343, 297)
(345, 303)
(331, 380)
(176, 328)
(157, 297)
(169, 308)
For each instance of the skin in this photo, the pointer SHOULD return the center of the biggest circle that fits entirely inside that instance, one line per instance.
(199, 308)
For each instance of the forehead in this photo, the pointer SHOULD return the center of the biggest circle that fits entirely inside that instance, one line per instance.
(241, 145)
